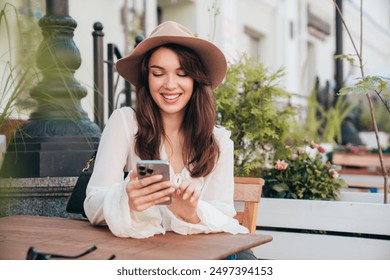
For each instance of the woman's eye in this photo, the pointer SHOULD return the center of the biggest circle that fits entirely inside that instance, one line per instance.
(182, 74)
(158, 74)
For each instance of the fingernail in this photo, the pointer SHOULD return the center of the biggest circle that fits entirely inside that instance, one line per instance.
(185, 196)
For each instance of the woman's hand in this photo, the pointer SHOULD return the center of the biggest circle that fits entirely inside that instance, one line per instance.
(147, 192)
(185, 202)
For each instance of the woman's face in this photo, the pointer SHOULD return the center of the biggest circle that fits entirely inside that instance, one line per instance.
(169, 85)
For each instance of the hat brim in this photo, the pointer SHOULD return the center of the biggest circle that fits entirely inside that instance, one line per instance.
(212, 58)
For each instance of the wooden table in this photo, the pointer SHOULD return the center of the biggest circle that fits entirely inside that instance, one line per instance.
(71, 237)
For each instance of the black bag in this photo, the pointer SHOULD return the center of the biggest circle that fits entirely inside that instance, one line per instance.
(76, 201)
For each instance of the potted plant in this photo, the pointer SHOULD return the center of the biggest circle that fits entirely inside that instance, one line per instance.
(366, 127)
(303, 175)
(246, 105)
(324, 122)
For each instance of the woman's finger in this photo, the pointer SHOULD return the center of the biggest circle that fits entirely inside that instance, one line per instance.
(183, 186)
(189, 191)
(135, 193)
(133, 175)
(154, 188)
(150, 180)
(195, 197)
(155, 197)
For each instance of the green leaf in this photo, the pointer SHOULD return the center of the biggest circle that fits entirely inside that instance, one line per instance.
(282, 187)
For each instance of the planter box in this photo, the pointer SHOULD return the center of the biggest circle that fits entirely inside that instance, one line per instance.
(36, 196)
(355, 229)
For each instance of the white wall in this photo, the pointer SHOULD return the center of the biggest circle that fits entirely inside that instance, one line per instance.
(86, 13)
(324, 49)
(179, 12)
(260, 17)
(230, 30)
(294, 46)
(376, 35)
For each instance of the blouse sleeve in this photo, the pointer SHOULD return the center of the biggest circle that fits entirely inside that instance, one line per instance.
(107, 201)
(216, 205)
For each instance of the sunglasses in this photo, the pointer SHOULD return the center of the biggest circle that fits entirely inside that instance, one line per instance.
(33, 254)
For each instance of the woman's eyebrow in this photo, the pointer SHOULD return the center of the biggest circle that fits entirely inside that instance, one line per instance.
(157, 67)
(162, 68)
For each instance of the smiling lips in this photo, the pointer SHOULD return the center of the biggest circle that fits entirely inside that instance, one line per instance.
(171, 97)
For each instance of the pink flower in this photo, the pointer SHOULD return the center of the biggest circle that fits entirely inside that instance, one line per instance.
(334, 173)
(294, 156)
(321, 149)
(281, 165)
(300, 151)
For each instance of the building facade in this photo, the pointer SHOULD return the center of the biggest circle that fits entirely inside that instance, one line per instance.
(297, 35)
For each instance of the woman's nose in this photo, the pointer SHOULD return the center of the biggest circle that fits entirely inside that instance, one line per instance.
(170, 82)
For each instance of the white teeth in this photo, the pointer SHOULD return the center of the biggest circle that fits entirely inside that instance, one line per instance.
(171, 97)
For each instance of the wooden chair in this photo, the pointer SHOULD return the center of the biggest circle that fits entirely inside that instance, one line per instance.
(248, 190)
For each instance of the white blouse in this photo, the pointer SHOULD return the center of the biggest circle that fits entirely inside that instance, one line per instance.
(107, 200)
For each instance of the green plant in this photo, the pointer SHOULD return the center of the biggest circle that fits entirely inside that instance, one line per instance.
(302, 175)
(324, 124)
(17, 62)
(367, 85)
(381, 115)
(247, 105)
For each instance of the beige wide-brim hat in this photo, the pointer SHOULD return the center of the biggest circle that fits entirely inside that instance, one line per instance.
(211, 56)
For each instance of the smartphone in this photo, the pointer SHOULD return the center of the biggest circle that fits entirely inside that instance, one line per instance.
(146, 168)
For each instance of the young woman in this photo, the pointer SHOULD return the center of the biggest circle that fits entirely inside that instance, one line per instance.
(174, 120)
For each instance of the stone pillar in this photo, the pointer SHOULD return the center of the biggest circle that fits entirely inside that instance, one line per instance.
(59, 137)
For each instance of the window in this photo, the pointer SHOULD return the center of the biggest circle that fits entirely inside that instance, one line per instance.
(254, 44)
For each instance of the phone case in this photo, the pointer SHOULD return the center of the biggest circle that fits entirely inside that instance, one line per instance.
(146, 168)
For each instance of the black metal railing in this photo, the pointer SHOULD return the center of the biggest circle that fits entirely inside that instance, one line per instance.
(114, 54)
(113, 79)
(98, 74)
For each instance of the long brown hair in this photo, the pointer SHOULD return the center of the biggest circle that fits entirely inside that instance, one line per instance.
(200, 148)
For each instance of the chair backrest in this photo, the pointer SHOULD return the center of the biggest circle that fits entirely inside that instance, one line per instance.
(248, 190)
(361, 170)
(359, 160)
